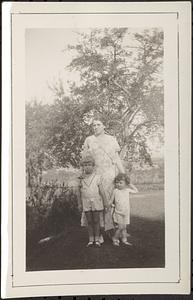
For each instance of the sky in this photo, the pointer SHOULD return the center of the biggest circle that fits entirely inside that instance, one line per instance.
(46, 61)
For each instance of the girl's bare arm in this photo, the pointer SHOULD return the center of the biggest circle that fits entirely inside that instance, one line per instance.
(133, 188)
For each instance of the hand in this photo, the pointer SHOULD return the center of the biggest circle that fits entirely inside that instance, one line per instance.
(107, 208)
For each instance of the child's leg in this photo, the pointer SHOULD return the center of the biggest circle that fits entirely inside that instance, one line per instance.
(118, 232)
(124, 234)
(90, 226)
(101, 239)
(96, 221)
(127, 228)
(101, 220)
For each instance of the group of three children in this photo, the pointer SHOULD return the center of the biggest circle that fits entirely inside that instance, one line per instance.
(93, 200)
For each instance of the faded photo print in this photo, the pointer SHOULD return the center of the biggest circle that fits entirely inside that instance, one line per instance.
(94, 126)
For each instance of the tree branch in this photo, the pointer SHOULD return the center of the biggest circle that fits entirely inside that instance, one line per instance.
(122, 88)
(141, 125)
(133, 115)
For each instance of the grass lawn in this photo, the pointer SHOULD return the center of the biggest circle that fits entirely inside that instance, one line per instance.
(67, 250)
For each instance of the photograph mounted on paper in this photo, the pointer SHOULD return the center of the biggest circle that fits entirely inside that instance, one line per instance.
(99, 122)
(94, 148)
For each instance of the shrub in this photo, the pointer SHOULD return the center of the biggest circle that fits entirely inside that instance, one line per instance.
(49, 210)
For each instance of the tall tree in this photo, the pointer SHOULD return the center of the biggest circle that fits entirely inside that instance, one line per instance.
(121, 79)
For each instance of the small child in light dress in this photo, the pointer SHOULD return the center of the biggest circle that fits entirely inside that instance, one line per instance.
(121, 212)
(92, 199)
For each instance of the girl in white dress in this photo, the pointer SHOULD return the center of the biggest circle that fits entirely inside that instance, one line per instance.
(121, 204)
(92, 199)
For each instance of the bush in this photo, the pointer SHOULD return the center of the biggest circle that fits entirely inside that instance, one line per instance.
(49, 210)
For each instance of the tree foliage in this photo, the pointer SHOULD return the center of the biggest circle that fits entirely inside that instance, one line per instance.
(37, 156)
(122, 83)
(120, 80)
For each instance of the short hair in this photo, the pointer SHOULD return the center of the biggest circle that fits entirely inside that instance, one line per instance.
(99, 119)
(122, 176)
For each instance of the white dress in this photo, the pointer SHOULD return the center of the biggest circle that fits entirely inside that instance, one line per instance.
(90, 194)
(121, 213)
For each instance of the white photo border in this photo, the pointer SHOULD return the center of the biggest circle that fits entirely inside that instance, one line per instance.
(107, 284)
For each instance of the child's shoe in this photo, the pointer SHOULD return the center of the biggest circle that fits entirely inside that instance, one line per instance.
(115, 242)
(90, 244)
(101, 239)
(97, 244)
(126, 243)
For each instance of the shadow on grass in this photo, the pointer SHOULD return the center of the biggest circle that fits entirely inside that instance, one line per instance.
(67, 250)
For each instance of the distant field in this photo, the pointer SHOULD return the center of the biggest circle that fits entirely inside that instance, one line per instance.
(148, 205)
(146, 180)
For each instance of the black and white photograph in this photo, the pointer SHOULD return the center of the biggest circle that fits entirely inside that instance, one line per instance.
(96, 149)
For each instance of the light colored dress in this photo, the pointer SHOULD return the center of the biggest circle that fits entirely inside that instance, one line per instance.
(121, 214)
(90, 196)
(104, 150)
